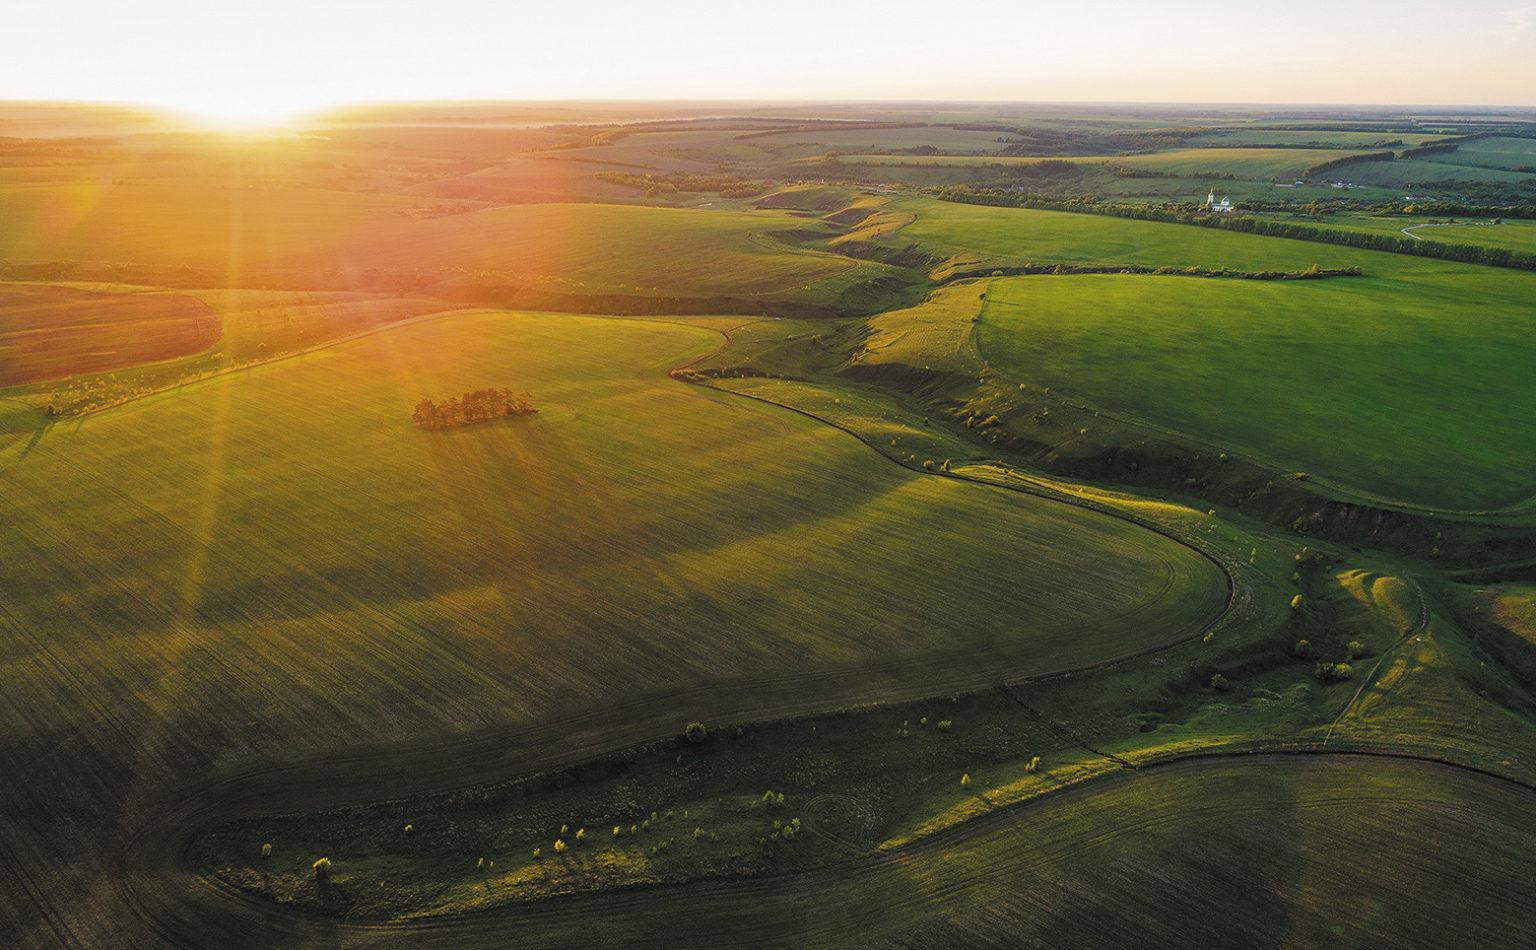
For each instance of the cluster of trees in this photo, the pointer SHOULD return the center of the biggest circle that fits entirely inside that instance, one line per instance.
(479, 405)
(1465, 253)
(1049, 168)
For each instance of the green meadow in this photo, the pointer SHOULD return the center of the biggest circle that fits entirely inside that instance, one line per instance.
(982, 235)
(320, 239)
(1513, 233)
(638, 541)
(1358, 380)
(1263, 164)
(864, 577)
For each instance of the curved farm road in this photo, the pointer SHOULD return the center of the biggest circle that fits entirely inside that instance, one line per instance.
(1241, 850)
(171, 901)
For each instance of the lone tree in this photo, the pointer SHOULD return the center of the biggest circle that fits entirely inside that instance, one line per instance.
(322, 869)
(695, 732)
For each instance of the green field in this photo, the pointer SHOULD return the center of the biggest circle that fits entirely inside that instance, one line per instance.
(1265, 852)
(1514, 233)
(1259, 137)
(1432, 172)
(982, 235)
(864, 576)
(1496, 152)
(286, 237)
(1262, 164)
(1358, 380)
(639, 541)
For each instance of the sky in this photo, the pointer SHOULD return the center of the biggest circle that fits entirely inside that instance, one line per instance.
(271, 59)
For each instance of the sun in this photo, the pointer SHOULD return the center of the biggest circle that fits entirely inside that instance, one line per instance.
(242, 115)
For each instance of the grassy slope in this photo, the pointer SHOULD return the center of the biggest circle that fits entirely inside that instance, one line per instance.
(1364, 380)
(295, 237)
(49, 333)
(1261, 137)
(1406, 173)
(1514, 608)
(1262, 164)
(1256, 852)
(1013, 235)
(1514, 233)
(279, 560)
(1495, 152)
(621, 249)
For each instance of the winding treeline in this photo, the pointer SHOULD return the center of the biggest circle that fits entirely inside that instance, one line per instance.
(1312, 273)
(479, 405)
(1338, 163)
(1465, 253)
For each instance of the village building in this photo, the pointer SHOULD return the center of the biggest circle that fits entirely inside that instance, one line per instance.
(1221, 207)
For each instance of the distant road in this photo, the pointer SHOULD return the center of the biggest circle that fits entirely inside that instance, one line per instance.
(1467, 224)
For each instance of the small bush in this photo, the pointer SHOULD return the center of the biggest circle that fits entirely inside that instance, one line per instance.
(965, 780)
(1034, 764)
(617, 831)
(581, 834)
(409, 828)
(1356, 649)
(1219, 683)
(1303, 649)
(695, 732)
(559, 845)
(322, 869)
(266, 849)
(1334, 672)
(946, 724)
(1297, 601)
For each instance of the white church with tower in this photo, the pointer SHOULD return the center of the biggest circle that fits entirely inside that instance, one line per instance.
(1221, 207)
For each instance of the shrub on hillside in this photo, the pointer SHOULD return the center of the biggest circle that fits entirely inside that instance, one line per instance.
(695, 732)
(1303, 649)
(322, 869)
(1334, 672)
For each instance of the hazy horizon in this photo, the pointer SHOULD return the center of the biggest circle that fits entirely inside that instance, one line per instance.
(287, 58)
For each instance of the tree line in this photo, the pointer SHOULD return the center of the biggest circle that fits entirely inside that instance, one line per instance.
(477, 405)
(1060, 269)
(1337, 163)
